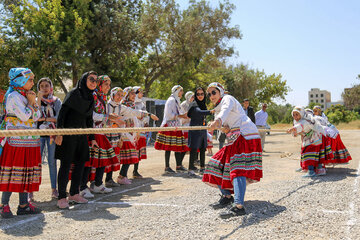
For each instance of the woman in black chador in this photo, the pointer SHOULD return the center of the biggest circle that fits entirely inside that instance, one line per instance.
(198, 138)
(76, 112)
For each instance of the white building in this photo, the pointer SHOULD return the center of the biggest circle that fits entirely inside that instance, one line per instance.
(320, 97)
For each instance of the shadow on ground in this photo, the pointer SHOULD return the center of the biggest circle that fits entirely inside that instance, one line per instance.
(33, 225)
(257, 211)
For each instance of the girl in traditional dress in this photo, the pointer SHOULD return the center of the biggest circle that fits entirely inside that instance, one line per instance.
(50, 108)
(240, 161)
(137, 103)
(76, 112)
(103, 155)
(185, 105)
(198, 138)
(341, 154)
(311, 137)
(172, 140)
(125, 117)
(20, 160)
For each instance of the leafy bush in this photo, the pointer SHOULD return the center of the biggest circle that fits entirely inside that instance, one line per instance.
(338, 113)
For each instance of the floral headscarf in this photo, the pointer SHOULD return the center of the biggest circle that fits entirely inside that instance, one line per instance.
(113, 92)
(219, 87)
(99, 97)
(137, 89)
(126, 100)
(18, 78)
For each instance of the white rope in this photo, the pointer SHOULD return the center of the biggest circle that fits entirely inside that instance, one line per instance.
(81, 131)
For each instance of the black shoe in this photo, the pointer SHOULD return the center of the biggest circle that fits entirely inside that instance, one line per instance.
(195, 169)
(28, 209)
(181, 169)
(137, 175)
(201, 171)
(6, 212)
(191, 174)
(223, 202)
(233, 212)
(169, 170)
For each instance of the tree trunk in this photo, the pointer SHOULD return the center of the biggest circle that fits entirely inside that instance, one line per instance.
(63, 87)
(74, 72)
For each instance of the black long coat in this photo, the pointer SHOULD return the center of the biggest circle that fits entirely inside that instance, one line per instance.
(197, 138)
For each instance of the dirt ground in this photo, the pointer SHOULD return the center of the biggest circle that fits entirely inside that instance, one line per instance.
(281, 206)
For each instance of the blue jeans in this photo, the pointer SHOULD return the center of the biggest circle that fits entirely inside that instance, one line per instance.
(239, 184)
(224, 191)
(51, 159)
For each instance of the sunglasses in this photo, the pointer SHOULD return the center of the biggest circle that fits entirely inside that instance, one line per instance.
(200, 94)
(93, 80)
(213, 92)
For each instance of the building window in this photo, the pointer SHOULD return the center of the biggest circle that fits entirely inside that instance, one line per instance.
(322, 95)
(311, 95)
(311, 100)
(322, 100)
(317, 95)
(322, 106)
(316, 100)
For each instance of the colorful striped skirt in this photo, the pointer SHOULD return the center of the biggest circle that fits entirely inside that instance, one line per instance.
(341, 154)
(20, 168)
(128, 152)
(171, 141)
(103, 156)
(241, 158)
(141, 146)
(326, 154)
(310, 156)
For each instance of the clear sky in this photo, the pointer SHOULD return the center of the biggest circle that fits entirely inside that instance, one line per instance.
(312, 43)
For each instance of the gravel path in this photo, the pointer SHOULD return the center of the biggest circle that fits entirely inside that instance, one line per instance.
(281, 206)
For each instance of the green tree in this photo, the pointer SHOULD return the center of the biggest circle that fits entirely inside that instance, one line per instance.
(46, 36)
(113, 40)
(178, 44)
(338, 113)
(279, 113)
(243, 82)
(351, 96)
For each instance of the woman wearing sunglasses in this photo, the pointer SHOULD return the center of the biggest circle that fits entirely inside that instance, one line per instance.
(198, 138)
(172, 140)
(240, 161)
(76, 112)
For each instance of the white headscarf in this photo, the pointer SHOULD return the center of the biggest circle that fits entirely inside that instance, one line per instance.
(114, 91)
(186, 104)
(136, 89)
(127, 90)
(188, 96)
(300, 110)
(175, 94)
(219, 87)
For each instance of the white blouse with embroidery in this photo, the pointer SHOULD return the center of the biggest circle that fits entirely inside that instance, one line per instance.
(171, 113)
(230, 112)
(144, 120)
(20, 116)
(310, 133)
(330, 130)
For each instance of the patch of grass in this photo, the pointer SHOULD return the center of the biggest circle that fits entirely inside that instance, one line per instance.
(281, 126)
(351, 125)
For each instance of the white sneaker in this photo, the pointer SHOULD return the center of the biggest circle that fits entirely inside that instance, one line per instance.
(86, 193)
(101, 189)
